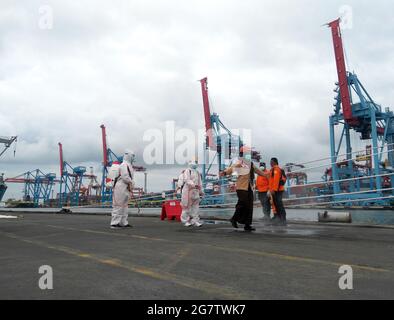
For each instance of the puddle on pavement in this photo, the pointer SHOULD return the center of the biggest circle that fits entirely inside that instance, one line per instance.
(266, 230)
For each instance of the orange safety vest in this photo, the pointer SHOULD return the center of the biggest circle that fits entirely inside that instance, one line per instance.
(262, 183)
(277, 179)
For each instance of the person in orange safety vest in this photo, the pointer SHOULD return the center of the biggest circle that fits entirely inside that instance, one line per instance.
(262, 186)
(277, 181)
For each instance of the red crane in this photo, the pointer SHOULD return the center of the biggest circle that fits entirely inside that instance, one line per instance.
(61, 158)
(105, 149)
(207, 114)
(342, 73)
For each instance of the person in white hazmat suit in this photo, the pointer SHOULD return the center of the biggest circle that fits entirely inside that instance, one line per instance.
(123, 186)
(190, 184)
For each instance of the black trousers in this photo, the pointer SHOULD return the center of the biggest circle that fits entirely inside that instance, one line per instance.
(278, 202)
(244, 208)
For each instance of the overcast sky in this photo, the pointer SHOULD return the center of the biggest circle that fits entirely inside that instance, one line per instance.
(133, 65)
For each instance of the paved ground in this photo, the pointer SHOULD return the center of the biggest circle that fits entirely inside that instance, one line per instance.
(163, 260)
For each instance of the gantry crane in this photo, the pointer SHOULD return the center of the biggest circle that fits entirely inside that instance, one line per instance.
(225, 146)
(37, 186)
(223, 143)
(356, 111)
(70, 181)
(94, 187)
(7, 142)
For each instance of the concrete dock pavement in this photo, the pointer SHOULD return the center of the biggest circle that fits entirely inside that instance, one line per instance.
(164, 260)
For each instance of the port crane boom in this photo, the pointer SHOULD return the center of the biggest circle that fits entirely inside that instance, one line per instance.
(7, 141)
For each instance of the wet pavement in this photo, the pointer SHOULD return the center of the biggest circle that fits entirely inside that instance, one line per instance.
(164, 260)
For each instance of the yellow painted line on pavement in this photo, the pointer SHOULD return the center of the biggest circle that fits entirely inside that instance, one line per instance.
(207, 287)
(298, 259)
(302, 259)
(177, 258)
(108, 233)
(243, 251)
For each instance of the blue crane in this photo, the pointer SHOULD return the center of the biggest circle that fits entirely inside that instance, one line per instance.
(37, 186)
(70, 182)
(356, 111)
(224, 144)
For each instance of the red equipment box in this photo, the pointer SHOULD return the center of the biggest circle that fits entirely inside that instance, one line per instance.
(171, 209)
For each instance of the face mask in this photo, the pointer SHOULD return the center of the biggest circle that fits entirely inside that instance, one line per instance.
(248, 157)
(262, 168)
(193, 166)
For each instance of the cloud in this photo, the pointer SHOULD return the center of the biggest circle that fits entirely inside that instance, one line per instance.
(133, 65)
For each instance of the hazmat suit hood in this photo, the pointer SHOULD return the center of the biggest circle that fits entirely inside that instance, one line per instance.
(129, 156)
(193, 164)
